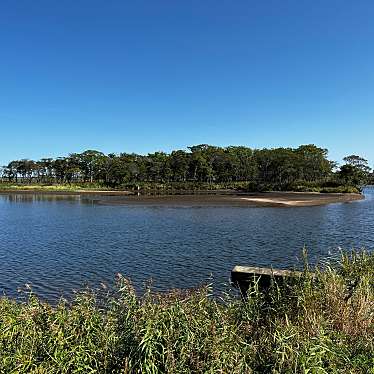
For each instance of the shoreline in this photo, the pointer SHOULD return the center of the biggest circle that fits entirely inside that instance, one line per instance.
(41, 191)
(208, 198)
(266, 199)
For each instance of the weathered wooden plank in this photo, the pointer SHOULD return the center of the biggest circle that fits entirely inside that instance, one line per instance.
(243, 276)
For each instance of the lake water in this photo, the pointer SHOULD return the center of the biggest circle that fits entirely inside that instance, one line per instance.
(58, 244)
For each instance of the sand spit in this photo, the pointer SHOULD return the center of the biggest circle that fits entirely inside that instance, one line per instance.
(272, 199)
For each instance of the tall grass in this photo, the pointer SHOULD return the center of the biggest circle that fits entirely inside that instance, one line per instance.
(5, 186)
(317, 324)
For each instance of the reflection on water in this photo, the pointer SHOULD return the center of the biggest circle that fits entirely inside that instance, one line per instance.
(38, 197)
(58, 243)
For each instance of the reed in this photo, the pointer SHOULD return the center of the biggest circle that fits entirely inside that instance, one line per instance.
(321, 324)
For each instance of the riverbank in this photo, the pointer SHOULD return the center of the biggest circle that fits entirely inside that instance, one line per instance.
(56, 190)
(204, 198)
(321, 323)
(271, 199)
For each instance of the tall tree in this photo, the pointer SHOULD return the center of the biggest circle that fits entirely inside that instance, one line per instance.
(355, 171)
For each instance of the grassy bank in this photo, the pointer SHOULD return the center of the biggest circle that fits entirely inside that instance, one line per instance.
(73, 187)
(177, 187)
(317, 325)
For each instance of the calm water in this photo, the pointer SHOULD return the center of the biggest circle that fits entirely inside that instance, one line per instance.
(58, 244)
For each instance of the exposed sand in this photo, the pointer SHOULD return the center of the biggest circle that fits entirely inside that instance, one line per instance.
(276, 201)
(271, 199)
(206, 198)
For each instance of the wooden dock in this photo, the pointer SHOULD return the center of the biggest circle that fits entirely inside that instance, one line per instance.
(243, 276)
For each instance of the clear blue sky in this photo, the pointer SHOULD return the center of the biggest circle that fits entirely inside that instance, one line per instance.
(141, 76)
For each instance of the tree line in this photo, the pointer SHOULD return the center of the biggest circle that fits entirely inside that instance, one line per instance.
(276, 168)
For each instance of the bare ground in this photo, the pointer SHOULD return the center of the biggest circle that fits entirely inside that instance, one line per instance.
(272, 199)
(208, 198)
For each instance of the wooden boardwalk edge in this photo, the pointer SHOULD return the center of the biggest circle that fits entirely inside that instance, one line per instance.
(243, 276)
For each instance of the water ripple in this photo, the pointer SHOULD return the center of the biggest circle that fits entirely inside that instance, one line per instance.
(58, 244)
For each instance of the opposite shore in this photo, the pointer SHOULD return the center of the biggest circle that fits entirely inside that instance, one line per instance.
(203, 198)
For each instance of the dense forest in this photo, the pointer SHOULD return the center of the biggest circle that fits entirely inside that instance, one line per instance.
(304, 168)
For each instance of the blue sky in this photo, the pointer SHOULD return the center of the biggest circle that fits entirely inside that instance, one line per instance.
(141, 76)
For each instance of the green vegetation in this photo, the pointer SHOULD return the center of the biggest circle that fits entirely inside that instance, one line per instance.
(201, 167)
(75, 187)
(321, 324)
(325, 187)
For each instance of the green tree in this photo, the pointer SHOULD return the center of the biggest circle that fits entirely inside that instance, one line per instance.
(355, 171)
(89, 163)
(179, 164)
